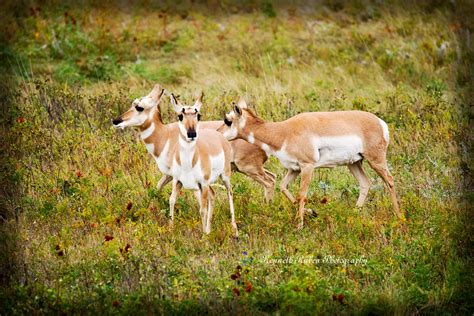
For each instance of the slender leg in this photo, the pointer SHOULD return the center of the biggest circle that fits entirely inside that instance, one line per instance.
(204, 206)
(228, 186)
(270, 179)
(364, 182)
(381, 168)
(290, 176)
(210, 208)
(165, 179)
(262, 176)
(174, 193)
(306, 177)
(266, 181)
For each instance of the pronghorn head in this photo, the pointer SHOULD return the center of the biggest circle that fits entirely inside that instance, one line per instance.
(141, 111)
(236, 120)
(188, 117)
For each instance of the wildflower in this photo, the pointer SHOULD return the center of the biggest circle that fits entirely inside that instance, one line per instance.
(248, 287)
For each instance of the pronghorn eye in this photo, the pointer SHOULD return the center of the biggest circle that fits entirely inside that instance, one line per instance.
(199, 117)
(227, 122)
(139, 108)
(180, 117)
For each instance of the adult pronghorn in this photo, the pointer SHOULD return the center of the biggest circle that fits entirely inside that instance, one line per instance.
(145, 114)
(199, 158)
(314, 140)
(160, 139)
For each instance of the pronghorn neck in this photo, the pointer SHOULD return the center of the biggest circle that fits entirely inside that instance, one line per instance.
(152, 124)
(188, 153)
(266, 135)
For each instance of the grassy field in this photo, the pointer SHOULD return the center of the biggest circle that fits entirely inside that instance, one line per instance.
(84, 229)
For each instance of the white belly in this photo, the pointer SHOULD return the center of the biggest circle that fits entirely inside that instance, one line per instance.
(191, 176)
(337, 150)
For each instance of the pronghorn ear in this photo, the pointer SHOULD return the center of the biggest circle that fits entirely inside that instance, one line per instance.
(176, 106)
(156, 92)
(198, 102)
(226, 119)
(237, 109)
(242, 104)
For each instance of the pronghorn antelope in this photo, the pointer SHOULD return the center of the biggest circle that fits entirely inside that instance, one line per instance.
(317, 140)
(160, 139)
(145, 114)
(199, 158)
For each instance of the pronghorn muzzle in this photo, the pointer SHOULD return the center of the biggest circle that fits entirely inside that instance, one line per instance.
(192, 134)
(117, 120)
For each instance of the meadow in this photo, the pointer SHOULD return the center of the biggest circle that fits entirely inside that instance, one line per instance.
(84, 229)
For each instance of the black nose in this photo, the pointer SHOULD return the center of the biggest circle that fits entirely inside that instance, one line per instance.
(192, 134)
(117, 121)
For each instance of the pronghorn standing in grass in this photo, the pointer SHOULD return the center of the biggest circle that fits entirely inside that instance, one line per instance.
(160, 139)
(145, 114)
(199, 158)
(317, 140)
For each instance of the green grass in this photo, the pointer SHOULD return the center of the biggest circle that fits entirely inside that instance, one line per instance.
(71, 182)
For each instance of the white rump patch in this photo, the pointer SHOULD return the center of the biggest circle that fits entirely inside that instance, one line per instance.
(386, 134)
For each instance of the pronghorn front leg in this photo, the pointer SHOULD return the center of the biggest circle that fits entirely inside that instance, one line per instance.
(306, 177)
(290, 176)
(203, 205)
(174, 193)
(165, 179)
(210, 209)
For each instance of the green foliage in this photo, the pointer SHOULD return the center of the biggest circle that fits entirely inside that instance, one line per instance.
(90, 230)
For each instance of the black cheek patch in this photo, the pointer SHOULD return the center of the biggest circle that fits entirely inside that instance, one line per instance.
(180, 117)
(199, 117)
(227, 122)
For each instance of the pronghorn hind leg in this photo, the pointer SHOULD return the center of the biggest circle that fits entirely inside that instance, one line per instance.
(174, 193)
(165, 179)
(364, 182)
(306, 177)
(228, 186)
(380, 166)
(270, 179)
(290, 176)
(266, 181)
(270, 174)
(260, 175)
